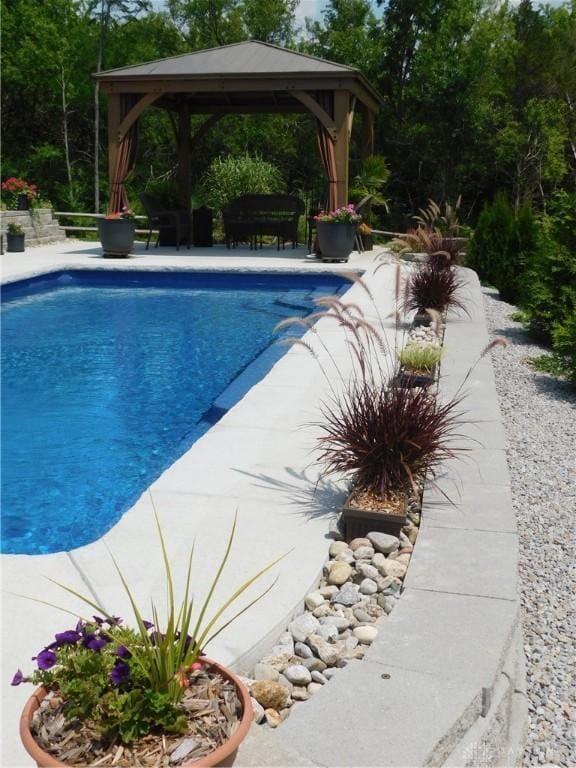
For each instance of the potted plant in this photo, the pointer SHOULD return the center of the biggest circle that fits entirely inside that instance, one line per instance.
(365, 233)
(336, 232)
(418, 364)
(15, 238)
(112, 694)
(433, 286)
(18, 193)
(116, 232)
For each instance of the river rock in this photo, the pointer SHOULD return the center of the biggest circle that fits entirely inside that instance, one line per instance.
(329, 591)
(360, 542)
(314, 664)
(318, 677)
(323, 610)
(298, 674)
(366, 635)
(383, 542)
(411, 532)
(387, 602)
(348, 595)
(344, 557)
(378, 561)
(302, 650)
(405, 542)
(270, 694)
(278, 661)
(362, 615)
(303, 626)
(339, 573)
(314, 688)
(273, 717)
(313, 600)
(283, 680)
(327, 652)
(364, 553)
(339, 622)
(285, 642)
(403, 557)
(336, 547)
(265, 672)
(368, 587)
(258, 710)
(327, 632)
(367, 571)
(299, 694)
(395, 569)
(329, 672)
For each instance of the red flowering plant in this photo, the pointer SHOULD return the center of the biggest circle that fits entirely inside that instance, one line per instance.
(344, 215)
(123, 683)
(125, 213)
(13, 187)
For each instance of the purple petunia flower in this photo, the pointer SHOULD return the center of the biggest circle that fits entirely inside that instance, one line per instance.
(95, 643)
(123, 652)
(98, 620)
(46, 659)
(120, 673)
(18, 678)
(69, 637)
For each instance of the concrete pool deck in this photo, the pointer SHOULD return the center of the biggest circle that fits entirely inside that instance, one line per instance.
(442, 684)
(257, 459)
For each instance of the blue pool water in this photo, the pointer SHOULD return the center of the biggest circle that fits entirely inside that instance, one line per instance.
(109, 378)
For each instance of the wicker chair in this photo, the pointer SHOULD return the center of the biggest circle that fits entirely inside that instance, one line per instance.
(162, 219)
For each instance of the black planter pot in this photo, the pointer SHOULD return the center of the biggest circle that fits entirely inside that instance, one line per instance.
(368, 242)
(336, 239)
(14, 243)
(117, 237)
(23, 203)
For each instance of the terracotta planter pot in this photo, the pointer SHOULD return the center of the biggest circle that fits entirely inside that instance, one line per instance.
(336, 239)
(358, 522)
(116, 236)
(223, 755)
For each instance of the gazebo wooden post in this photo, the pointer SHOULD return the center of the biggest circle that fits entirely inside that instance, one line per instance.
(184, 180)
(114, 120)
(367, 145)
(342, 144)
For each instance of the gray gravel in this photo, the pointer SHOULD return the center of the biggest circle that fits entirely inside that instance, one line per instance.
(539, 414)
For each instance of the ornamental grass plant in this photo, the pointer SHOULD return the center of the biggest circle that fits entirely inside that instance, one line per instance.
(434, 287)
(420, 357)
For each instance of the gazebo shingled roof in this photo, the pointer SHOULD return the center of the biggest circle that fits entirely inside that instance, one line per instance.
(246, 77)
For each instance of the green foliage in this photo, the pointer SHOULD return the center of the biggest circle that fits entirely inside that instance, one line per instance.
(420, 357)
(501, 245)
(372, 177)
(230, 177)
(555, 365)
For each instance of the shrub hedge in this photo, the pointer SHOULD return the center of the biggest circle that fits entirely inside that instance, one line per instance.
(531, 259)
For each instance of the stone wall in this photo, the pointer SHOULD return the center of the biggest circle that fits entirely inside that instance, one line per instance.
(39, 226)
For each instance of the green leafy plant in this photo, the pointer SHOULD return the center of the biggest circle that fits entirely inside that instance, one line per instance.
(230, 177)
(13, 187)
(14, 229)
(128, 682)
(372, 177)
(420, 357)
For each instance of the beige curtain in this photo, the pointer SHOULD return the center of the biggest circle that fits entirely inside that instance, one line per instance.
(125, 157)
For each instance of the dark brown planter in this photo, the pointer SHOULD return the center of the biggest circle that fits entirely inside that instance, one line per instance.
(358, 522)
(414, 378)
(221, 756)
(336, 239)
(23, 202)
(14, 243)
(116, 236)
(421, 318)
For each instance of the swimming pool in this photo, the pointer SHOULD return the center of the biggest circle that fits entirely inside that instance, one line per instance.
(110, 376)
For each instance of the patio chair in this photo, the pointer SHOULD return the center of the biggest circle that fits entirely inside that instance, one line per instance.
(162, 219)
(360, 208)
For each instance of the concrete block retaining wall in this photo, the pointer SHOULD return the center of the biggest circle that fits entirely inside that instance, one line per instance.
(443, 684)
(38, 224)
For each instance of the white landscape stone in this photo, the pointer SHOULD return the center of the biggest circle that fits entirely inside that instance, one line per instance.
(383, 542)
(366, 634)
(298, 674)
(313, 600)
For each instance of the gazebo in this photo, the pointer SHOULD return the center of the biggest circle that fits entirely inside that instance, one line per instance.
(242, 78)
